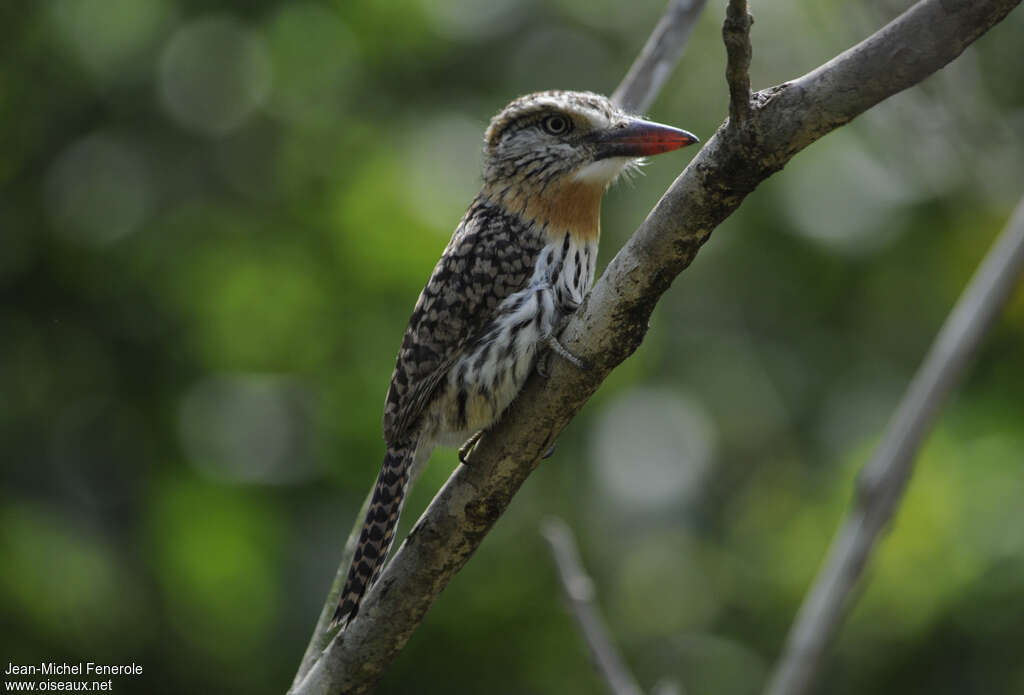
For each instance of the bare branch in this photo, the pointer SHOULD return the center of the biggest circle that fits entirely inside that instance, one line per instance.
(613, 319)
(637, 90)
(736, 34)
(579, 593)
(659, 56)
(883, 480)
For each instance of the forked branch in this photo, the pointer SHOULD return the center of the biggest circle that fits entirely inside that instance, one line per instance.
(613, 319)
(638, 89)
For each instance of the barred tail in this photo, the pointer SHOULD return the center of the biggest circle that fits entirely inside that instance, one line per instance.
(378, 531)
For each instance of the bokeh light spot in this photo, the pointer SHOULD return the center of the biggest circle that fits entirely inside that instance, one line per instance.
(107, 35)
(97, 191)
(472, 20)
(214, 72)
(652, 447)
(250, 428)
(453, 142)
(843, 199)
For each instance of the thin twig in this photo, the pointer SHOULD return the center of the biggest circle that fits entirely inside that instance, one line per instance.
(579, 593)
(736, 34)
(635, 93)
(659, 56)
(612, 321)
(883, 480)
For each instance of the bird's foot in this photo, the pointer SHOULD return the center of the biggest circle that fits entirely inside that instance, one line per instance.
(549, 452)
(466, 449)
(542, 363)
(555, 346)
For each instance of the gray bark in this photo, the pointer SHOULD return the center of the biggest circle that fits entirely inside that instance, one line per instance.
(612, 321)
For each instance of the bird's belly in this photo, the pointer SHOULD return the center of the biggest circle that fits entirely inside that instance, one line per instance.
(487, 378)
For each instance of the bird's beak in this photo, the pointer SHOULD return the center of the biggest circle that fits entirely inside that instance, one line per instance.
(640, 138)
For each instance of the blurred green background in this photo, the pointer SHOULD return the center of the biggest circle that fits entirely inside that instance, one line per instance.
(215, 218)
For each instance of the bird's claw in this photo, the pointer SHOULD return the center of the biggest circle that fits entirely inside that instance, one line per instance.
(542, 364)
(555, 346)
(466, 449)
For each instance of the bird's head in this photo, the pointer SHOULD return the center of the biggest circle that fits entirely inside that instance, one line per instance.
(562, 137)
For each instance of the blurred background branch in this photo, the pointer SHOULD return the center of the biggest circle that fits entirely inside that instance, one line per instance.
(213, 216)
(579, 592)
(613, 319)
(884, 478)
(658, 58)
(637, 90)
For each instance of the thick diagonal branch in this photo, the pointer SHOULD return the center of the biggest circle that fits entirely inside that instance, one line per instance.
(638, 89)
(613, 319)
(641, 84)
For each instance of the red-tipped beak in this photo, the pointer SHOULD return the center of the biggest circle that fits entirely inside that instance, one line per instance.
(639, 138)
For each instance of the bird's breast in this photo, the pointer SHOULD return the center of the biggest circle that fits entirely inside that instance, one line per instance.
(493, 367)
(567, 266)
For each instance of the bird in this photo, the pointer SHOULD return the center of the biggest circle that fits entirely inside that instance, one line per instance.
(517, 266)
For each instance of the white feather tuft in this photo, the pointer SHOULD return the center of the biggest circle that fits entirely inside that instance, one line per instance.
(603, 171)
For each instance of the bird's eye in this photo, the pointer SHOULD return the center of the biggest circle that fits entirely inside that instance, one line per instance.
(556, 125)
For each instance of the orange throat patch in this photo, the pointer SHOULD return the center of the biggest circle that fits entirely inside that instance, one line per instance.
(570, 206)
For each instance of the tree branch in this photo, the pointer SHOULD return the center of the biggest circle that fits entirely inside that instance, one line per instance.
(613, 319)
(638, 89)
(579, 594)
(736, 35)
(883, 480)
(659, 56)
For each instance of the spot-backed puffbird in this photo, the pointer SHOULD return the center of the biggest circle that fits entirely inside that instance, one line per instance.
(519, 263)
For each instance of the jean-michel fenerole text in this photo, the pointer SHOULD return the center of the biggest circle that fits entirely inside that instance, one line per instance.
(82, 668)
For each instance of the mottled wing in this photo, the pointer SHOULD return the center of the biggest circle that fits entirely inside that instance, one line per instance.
(490, 256)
